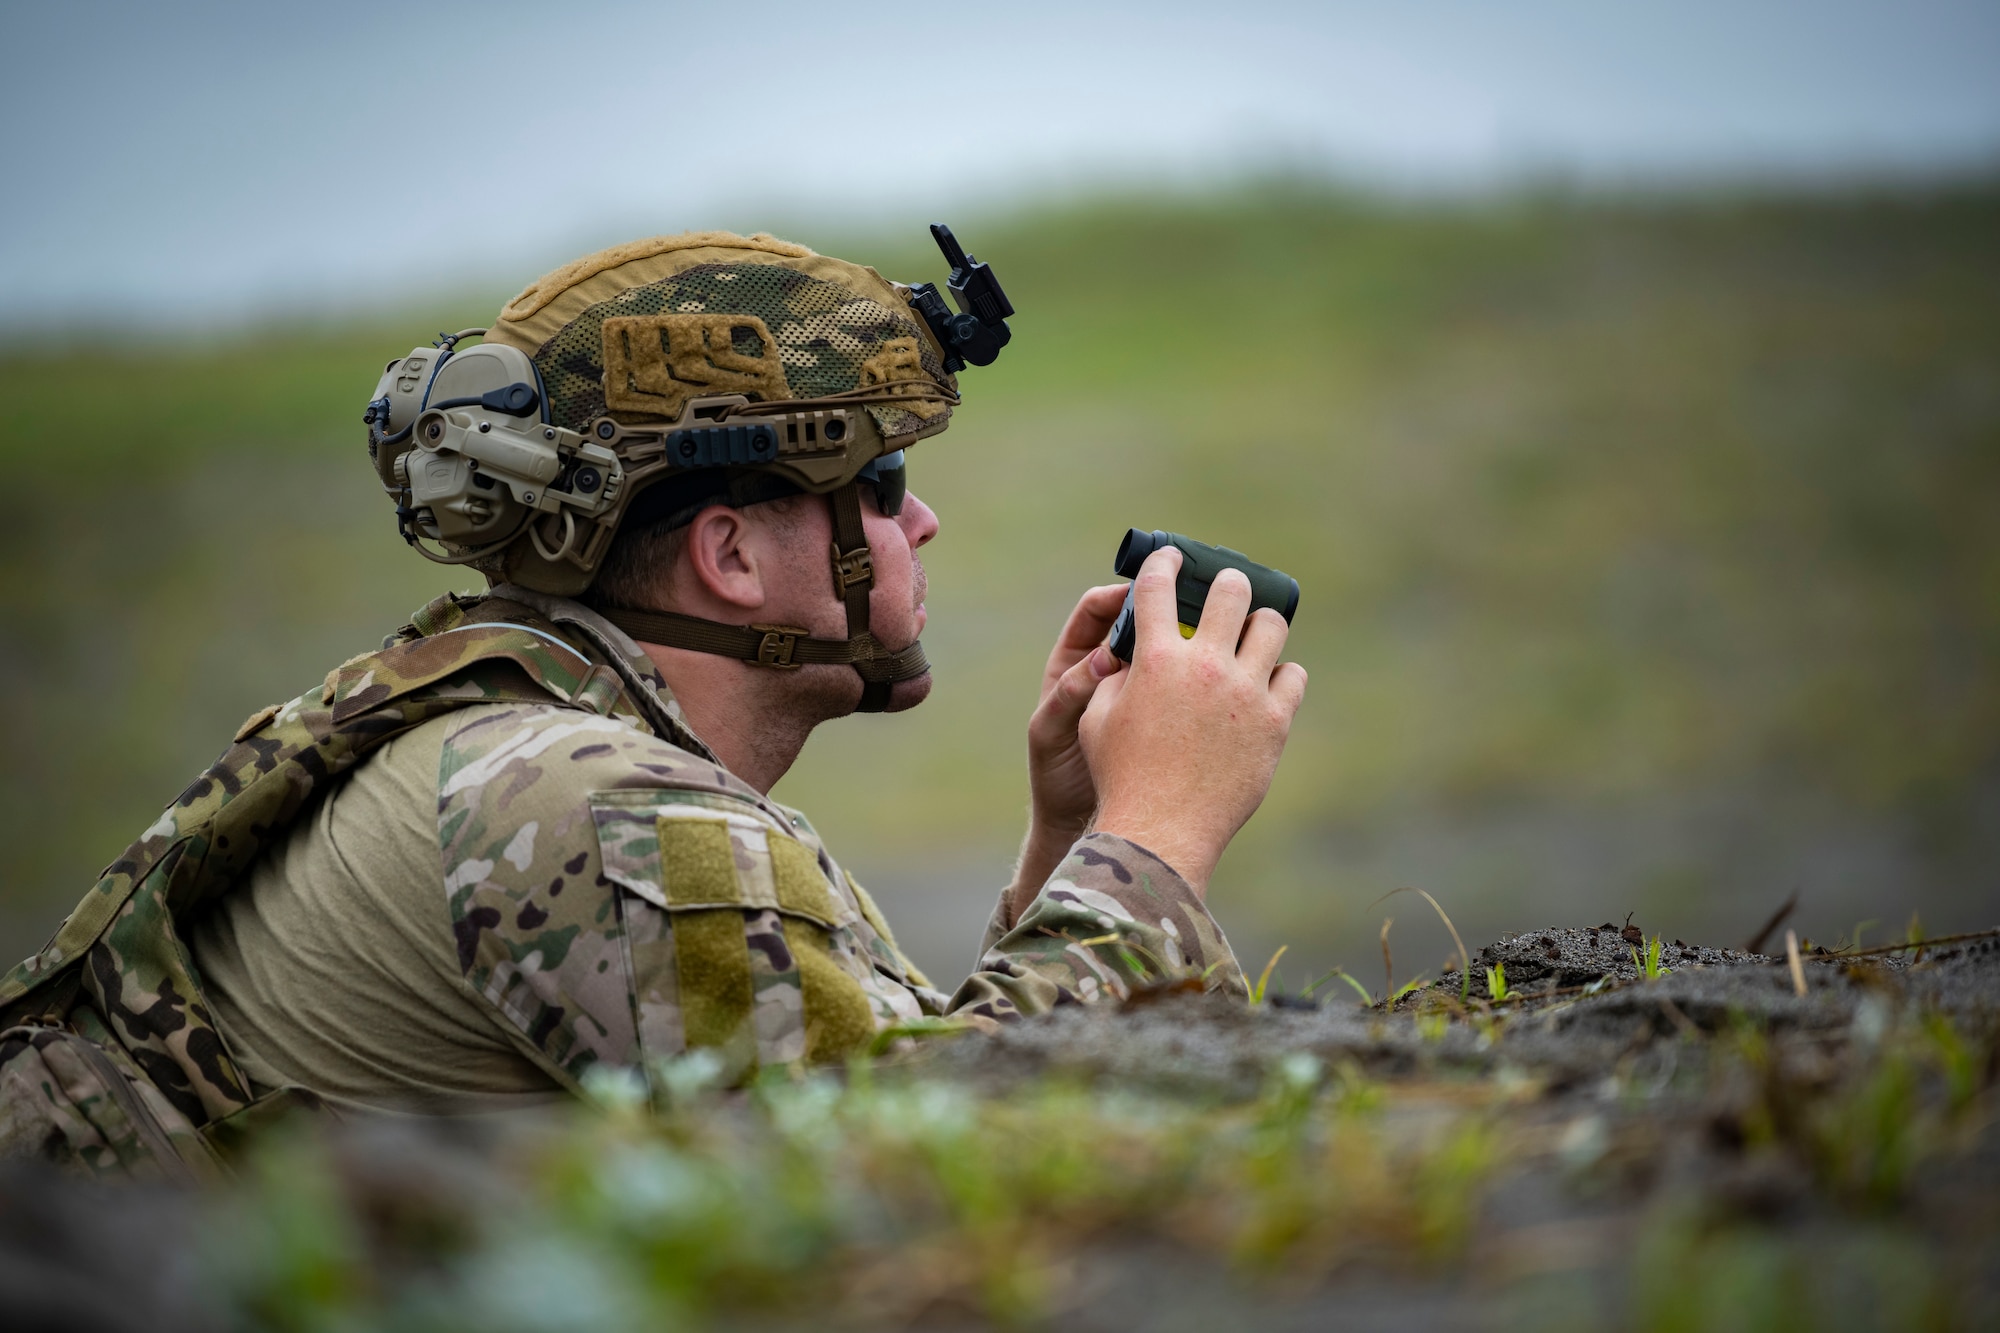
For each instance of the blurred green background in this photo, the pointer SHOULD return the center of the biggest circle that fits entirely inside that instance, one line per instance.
(1648, 546)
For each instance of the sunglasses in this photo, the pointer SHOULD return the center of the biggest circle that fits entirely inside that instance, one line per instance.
(890, 479)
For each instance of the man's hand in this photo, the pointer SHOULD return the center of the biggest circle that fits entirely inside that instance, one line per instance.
(1184, 743)
(1061, 794)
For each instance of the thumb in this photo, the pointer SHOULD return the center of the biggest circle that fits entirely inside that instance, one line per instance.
(1073, 690)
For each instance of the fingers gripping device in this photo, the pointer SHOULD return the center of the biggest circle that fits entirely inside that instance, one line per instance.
(1200, 563)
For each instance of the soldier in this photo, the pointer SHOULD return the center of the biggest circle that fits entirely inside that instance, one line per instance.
(532, 834)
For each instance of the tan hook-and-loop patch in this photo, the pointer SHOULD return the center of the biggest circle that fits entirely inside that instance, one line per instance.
(655, 363)
(898, 366)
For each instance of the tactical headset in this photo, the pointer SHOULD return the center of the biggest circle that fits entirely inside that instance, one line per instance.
(464, 444)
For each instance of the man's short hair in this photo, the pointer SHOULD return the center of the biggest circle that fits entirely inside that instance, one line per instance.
(637, 571)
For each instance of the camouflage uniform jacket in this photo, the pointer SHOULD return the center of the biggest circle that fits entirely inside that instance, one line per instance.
(615, 894)
(713, 916)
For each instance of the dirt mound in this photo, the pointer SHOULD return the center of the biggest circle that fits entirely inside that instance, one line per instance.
(1590, 1147)
(1576, 1004)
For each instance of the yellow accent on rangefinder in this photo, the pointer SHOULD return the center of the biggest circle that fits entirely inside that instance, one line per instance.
(1200, 563)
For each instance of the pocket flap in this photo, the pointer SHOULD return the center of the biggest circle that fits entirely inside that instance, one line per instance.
(689, 850)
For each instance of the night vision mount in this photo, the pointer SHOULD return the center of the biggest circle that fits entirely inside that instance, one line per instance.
(977, 333)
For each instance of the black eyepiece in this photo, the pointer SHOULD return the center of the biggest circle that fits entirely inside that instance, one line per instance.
(1132, 552)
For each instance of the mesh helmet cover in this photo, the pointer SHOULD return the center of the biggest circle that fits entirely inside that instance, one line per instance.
(837, 326)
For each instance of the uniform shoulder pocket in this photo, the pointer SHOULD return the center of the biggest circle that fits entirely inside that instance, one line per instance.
(759, 943)
(688, 850)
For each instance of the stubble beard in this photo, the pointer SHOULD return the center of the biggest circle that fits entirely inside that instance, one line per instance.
(829, 692)
(907, 694)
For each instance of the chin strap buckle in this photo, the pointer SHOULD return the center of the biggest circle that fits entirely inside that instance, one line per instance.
(778, 646)
(851, 569)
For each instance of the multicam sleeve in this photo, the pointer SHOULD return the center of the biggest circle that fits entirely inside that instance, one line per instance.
(1112, 918)
(616, 901)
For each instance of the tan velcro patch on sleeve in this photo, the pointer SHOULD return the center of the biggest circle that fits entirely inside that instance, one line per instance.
(802, 889)
(655, 363)
(698, 863)
(712, 962)
(839, 1021)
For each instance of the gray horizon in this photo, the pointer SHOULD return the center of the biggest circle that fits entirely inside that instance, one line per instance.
(223, 162)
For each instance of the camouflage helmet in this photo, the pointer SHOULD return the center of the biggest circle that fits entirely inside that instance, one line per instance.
(643, 382)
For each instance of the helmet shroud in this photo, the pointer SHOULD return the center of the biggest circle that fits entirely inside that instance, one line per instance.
(636, 334)
(668, 373)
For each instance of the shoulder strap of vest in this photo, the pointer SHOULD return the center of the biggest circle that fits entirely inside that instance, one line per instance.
(120, 946)
(643, 686)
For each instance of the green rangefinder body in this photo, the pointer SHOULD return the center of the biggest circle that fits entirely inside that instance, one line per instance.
(1200, 563)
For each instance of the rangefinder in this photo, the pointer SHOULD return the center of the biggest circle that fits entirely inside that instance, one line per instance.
(1200, 563)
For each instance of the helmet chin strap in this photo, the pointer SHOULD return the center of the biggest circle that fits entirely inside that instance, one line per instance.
(786, 647)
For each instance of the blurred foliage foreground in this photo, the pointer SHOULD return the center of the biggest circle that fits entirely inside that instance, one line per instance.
(1647, 549)
(1752, 1147)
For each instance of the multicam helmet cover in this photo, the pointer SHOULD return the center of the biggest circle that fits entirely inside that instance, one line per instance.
(765, 356)
(639, 330)
(704, 366)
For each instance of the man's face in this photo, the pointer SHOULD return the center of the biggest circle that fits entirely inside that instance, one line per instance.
(800, 587)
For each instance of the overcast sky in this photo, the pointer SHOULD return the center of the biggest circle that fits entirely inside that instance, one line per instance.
(198, 162)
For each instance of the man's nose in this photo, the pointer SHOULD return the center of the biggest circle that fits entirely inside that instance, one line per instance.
(918, 522)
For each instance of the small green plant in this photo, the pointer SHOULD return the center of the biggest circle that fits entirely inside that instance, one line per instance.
(916, 1028)
(1352, 1092)
(1862, 1133)
(1649, 965)
(1446, 1182)
(1864, 1139)
(1958, 1060)
(1142, 965)
(1264, 978)
(1342, 973)
(1496, 982)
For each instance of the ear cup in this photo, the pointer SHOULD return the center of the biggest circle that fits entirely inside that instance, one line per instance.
(399, 397)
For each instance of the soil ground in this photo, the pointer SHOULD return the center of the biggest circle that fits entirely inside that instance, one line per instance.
(1634, 1117)
(1708, 1148)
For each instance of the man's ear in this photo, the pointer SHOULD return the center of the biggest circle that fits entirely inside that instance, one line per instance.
(721, 558)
